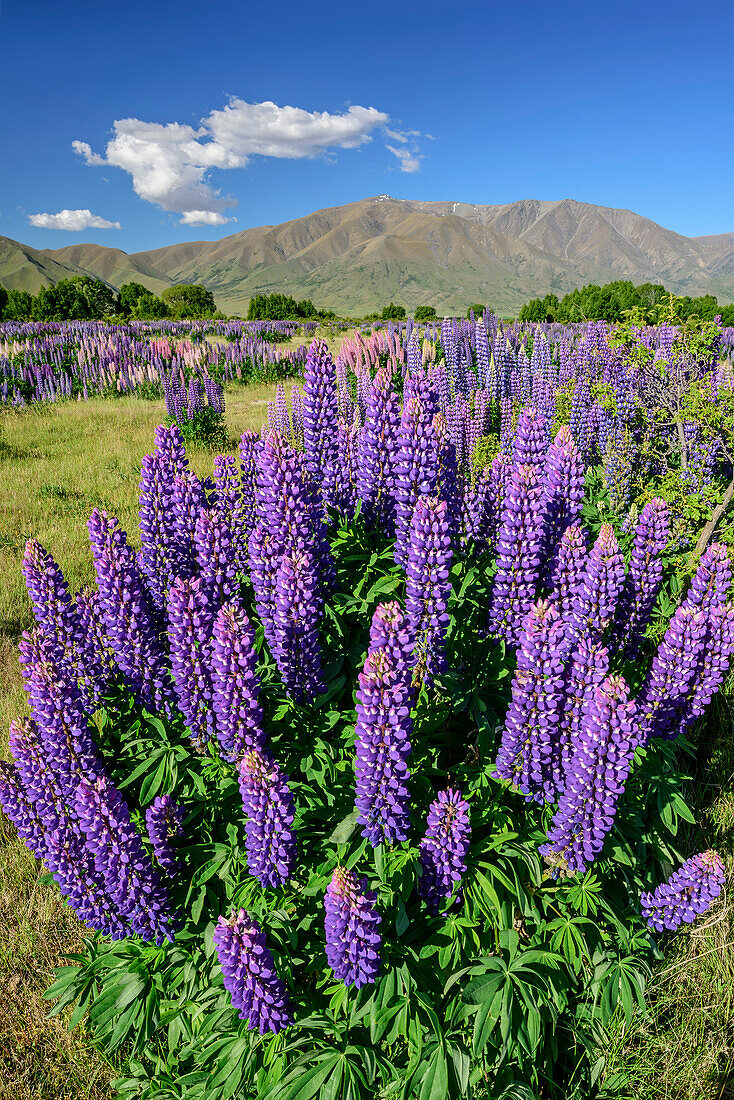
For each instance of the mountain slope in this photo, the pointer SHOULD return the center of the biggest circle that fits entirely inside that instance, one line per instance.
(25, 268)
(355, 258)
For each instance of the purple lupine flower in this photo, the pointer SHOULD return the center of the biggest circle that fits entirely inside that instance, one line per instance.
(687, 894)
(597, 772)
(448, 483)
(53, 608)
(132, 884)
(518, 554)
(479, 511)
(442, 851)
(320, 408)
(383, 730)
(530, 733)
(128, 618)
(235, 683)
(297, 417)
(217, 554)
(296, 618)
(188, 501)
(377, 453)
(55, 840)
(712, 579)
(164, 820)
(265, 556)
(595, 597)
(713, 666)
(269, 807)
(416, 466)
(95, 667)
(170, 446)
(390, 630)
(672, 676)
(588, 666)
(350, 923)
(567, 569)
(644, 577)
(157, 518)
(249, 448)
(342, 491)
(189, 631)
(427, 587)
(257, 992)
(531, 439)
(563, 484)
(57, 707)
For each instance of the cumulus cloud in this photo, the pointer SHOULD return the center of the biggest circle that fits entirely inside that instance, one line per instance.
(204, 217)
(169, 162)
(74, 220)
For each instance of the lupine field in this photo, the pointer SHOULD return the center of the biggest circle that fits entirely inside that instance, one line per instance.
(363, 763)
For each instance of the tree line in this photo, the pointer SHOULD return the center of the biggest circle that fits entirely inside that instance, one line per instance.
(621, 299)
(83, 298)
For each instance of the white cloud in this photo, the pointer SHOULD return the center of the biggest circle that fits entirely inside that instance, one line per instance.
(204, 217)
(169, 162)
(407, 149)
(74, 220)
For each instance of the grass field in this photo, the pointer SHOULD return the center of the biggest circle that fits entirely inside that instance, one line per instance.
(56, 465)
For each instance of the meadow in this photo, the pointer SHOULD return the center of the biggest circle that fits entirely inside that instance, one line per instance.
(60, 460)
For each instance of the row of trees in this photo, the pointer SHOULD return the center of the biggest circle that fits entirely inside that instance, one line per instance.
(615, 301)
(83, 298)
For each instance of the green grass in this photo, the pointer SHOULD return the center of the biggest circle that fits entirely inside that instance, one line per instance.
(56, 464)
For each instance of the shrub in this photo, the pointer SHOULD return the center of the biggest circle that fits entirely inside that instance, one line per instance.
(371, 800)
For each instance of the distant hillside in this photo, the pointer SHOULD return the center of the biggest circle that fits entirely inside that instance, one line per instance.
(354, 258)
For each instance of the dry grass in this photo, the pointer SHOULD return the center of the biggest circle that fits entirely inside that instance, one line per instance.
(56, 464)
(684, 1048)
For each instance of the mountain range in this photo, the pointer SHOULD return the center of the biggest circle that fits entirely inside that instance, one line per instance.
(356, 258)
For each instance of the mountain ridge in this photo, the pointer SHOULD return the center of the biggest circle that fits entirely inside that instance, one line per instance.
(357, 256)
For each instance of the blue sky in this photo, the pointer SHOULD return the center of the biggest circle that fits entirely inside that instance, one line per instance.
(178, 111)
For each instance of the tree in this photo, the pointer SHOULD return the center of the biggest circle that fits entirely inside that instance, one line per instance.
(393, 313)
(129, 294)
(279, 307)
(19, 306)
(3, 302)
(148, 307)
(476, 309)
(79, 299)
(189, 300)
(425, 313)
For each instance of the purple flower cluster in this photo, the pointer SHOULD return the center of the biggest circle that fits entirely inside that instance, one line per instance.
(644, 576)
(596, 773)
(688, 894)
(443, 849)
(132, 885)
(270, 810)
(250, 978)
(350, 924)
(518, 554)
(427, 587)
(164, 820)
(128, 617)
(527, 749)
(383, 731)
(235, 682)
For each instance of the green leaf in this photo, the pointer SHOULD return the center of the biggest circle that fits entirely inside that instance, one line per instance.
(435, 1084)
(344, 830)
(309, 1083)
